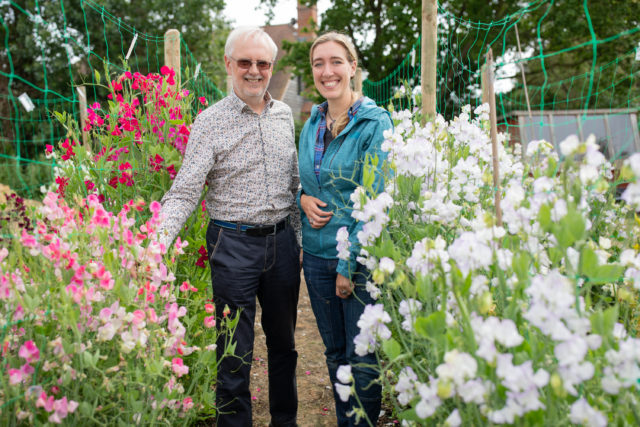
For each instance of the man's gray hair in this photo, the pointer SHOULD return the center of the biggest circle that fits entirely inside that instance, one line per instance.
(244, 33)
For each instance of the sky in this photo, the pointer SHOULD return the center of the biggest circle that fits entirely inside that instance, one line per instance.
(246, 12)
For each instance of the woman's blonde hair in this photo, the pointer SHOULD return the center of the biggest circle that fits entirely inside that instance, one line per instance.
(341, 121)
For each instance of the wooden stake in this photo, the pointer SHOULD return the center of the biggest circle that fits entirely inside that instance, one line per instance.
(494, 133)
(82, 98)
(172, 52)
(429, 52)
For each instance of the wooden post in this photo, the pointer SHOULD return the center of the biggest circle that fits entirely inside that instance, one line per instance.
(357, 81)
(172, 52)
(484, 79)
(429, 52)
(82, 98)
(229, 84)
(494, 132)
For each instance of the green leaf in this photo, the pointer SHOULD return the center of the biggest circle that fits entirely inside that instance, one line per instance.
(97, 76)
(607, 274)
(521, 264)
(391, 348)
(602, 322)
(588, 262)
(431, 326)
(410, 415)
(86, 410)
(544, 217)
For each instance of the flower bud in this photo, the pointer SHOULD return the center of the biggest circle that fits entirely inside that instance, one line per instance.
(485, 302)
(556, 385)
(378, 276)
(444, 389)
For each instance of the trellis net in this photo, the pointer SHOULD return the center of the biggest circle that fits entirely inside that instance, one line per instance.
(582, 72)
(72, 42)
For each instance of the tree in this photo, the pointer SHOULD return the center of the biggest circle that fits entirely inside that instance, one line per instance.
(384, 31)
(45, 37)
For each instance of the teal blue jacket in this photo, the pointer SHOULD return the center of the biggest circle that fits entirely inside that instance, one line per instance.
(340, 174)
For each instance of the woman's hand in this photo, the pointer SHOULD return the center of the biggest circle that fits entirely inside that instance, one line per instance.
(344, 287)
(316, 216)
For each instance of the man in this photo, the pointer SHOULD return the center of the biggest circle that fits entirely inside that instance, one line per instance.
(243, 147)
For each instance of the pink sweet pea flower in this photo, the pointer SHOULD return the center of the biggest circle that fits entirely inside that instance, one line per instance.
(45, 402)
(28, 240)
(209, 308)
(210, 321)
(15, 376)
(29, 352)
(178, 366)
(187, 403)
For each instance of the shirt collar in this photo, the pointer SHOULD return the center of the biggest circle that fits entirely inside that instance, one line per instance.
(240, 106)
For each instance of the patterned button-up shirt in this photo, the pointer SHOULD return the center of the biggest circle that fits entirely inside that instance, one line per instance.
(249, 162)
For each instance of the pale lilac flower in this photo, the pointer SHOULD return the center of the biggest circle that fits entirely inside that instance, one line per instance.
(372, 329)
(453, 420)
(429, 400)
(408, 309)
(584, 414)
(405, 387)
(374, 291)
(470, 253)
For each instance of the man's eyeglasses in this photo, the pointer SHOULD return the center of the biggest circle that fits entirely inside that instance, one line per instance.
(245, 64)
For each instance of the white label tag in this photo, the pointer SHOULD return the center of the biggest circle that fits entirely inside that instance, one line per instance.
(26, 102)
(133, 43)
(413, 58)
(195, 76)
(80, 92)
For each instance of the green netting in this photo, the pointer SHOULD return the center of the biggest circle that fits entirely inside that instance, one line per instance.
(69, 54)
(581, 69)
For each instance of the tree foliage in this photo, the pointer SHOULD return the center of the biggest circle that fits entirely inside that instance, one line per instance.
(384, 31)
(43, 37)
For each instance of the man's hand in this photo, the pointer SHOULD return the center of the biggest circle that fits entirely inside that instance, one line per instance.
(316, 216)
(344, 287)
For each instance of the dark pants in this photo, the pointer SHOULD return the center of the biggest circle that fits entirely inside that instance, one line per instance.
(243, 267)
(337, 320)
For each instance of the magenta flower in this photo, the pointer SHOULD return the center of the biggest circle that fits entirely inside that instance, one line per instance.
(29, 352)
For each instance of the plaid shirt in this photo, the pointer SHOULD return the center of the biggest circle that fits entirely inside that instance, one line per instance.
(322, 128)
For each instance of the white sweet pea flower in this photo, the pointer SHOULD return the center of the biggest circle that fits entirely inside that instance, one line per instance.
(453, 420)
(406, 385)
(344, 391)
(372, 328)
(342, 237)
(344, 374)
(582, 413)
(374, 291)
(570, 145)
(408, 309)
(387, 265)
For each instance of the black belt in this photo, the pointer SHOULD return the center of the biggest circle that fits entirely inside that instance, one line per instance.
(253, 230)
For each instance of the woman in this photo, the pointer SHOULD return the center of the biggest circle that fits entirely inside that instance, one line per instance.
(334, 144)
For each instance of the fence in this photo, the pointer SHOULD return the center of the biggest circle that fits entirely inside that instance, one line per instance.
(546, 87)
(72, 46)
